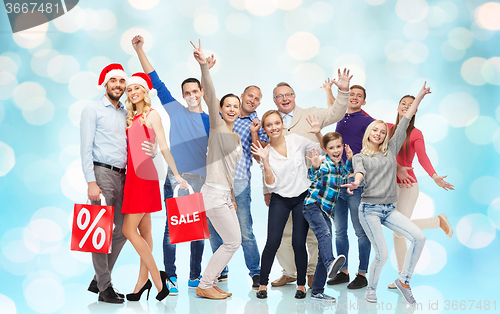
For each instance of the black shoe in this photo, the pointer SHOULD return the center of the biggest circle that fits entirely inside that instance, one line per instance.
(256, 280)
(137, 296)
(358, 282)
(109, 296)
(262, 294)
(222, 277)
(164, 291)
(300, 294)
(340, 278)
(93, 288)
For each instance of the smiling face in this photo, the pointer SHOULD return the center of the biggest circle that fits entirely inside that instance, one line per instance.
(356, 100)
(115, 87)
(192, 94)
(378, 134)
(273, 125)
(334, 149)
(285, 104)
(250, 100)
(404, 105)
(230, 109)
(135, 93)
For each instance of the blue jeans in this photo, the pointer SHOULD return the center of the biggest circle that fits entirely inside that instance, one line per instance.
(350, 203)
(196, 181)
(279, 211)
(321, 225)
(242, 194)
(372, 217)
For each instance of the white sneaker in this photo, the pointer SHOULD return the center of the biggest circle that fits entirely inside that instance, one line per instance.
(392, 285)
(371, 295)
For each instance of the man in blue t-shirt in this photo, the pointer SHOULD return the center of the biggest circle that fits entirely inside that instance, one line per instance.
(189, 129)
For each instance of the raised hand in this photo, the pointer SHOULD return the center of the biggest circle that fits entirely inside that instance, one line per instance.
(259, 151)
(424, 91)
(343, 81)
(406, 179)
(440, 182)
(315, 158)
(198, 53)
(314, 123)
(348, 152)
(328, 85)
(255, 126)
(137, 42)
(211, 61)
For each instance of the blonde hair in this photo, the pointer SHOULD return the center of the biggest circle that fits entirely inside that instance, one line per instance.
(367, 150)
(268, 113)
(131, 109)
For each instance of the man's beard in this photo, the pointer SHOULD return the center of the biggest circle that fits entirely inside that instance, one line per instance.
(112, 97)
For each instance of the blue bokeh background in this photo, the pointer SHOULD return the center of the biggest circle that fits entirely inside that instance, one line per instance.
(48, 75)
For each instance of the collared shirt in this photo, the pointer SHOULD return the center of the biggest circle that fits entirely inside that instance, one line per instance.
(102, 136)
(242, 127)
(352, 127)
(290, 172)
(326, 182)
(287, 118)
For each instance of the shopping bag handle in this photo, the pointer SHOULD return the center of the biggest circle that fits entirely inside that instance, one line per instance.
(177, 187)
(103, 200)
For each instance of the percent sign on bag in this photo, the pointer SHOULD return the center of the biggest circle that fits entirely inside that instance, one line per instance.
(92, 228)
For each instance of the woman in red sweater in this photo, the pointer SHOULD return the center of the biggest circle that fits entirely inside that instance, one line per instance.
(408, 192)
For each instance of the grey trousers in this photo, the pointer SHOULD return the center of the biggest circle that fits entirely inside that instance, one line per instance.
(111, 184)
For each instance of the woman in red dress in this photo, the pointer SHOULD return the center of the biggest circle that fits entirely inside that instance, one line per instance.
(142, 191)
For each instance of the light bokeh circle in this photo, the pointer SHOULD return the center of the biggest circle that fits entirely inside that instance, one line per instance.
(260, 7)
(302, 46)
(417, 31)
(8, 65)
(424, 208)
(73, 183)
(416, 52)
(308, 76)
(287, 4)
(143, 4)
(494, 212)
(206, 24)
(460, 38)
(62, 67)
(32, 37)
(29, 96)
(412, 10)
(375, 2)
(82, 85)
(72, 21)
(40, 61)
(42, 177)
(8, 84)
(41, 115)
(459, 109)
(126, 40)
(475, 231)
(238, 23)
(432, 260)
(482, 130)
(485, 189)
(44, 295)
(451, 53)
(434, 126)
(487, 16)
(8, 306)
(321, 12)
(299, 20)
(471, 71)
(7, 159)
(491, 70)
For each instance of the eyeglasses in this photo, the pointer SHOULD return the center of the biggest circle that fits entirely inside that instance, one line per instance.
(281, 96)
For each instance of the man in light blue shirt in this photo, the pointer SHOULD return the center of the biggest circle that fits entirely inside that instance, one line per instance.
(103, 152)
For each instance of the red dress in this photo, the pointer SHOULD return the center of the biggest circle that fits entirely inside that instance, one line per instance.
(142, 188)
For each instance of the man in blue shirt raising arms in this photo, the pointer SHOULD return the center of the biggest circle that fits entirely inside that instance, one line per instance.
(189, 128)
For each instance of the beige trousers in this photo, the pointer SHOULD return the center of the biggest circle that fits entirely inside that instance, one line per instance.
(407, 198)
(220, 211)
(285, 254)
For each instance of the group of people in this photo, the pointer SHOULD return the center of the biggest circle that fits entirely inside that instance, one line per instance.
(364, 168)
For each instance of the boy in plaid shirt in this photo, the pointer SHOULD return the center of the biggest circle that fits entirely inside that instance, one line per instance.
(326, 176)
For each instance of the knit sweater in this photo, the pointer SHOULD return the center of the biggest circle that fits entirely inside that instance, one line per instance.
(379, 171)
(224, 146)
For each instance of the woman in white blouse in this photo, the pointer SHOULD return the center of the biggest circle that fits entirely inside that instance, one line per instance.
(285, 171)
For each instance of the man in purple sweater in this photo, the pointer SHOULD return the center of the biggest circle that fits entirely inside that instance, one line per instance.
(352, 128)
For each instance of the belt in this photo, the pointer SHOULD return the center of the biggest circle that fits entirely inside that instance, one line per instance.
(120, 170)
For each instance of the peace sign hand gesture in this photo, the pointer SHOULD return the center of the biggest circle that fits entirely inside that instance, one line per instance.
(198, 53)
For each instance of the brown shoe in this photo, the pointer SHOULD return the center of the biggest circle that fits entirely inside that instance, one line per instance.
(210, 293)
(283, 280)
(222, 291)
(310, 279)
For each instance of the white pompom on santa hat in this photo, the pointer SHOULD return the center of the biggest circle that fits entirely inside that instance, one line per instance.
(112, 70)
(144, 80)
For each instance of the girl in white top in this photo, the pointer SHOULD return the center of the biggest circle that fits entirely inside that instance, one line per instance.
(285, 171)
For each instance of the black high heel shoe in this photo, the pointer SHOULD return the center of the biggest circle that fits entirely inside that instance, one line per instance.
(164, 291)
(137, 296)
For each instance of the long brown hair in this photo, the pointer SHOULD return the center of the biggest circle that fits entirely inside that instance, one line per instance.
(411, 126)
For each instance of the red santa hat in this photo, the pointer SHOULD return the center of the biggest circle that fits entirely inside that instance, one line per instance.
(108, 72)
(144, 80)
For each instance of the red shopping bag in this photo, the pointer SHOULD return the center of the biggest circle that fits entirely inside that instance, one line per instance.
(92, 228)
(186, 217)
